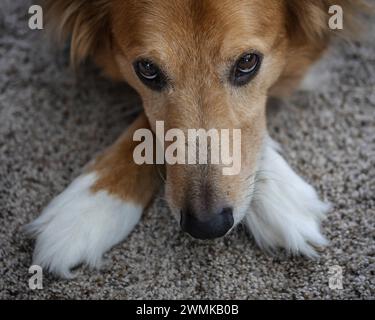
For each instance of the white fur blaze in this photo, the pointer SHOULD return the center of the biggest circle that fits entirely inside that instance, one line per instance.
(79, 226)
(285, 211)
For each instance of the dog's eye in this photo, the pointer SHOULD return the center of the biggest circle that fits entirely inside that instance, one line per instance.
(150, 74)
(245, 69)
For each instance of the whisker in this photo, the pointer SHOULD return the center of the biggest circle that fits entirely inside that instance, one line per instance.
(161, 174)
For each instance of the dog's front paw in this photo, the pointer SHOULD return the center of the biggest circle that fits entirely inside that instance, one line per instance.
(79, 226)
(286, 211)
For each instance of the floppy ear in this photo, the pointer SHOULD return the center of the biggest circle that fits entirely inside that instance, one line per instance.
(309, 35)
(308, 20)
(86, 22)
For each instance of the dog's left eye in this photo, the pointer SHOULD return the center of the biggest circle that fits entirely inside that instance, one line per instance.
(150, 74)
(245, 69)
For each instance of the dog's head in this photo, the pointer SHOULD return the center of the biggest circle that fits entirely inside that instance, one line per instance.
(209, 65)
(201, 64)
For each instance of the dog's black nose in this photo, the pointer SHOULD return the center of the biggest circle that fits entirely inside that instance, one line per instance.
(215, 226)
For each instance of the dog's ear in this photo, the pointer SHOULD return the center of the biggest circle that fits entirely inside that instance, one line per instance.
(85, 22)
(305, 19)
(308, 20)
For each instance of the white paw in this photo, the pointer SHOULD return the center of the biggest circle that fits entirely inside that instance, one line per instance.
(79, 226)
(285, 211)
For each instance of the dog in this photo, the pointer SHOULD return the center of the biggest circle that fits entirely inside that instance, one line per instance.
(195, 64)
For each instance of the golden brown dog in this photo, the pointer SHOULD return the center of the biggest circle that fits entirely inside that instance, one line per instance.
(195, 64)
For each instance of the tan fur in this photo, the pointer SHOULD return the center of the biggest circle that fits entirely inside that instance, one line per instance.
(196, 42)
(119, 175)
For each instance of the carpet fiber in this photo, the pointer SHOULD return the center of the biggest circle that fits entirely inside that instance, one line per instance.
(52, 122)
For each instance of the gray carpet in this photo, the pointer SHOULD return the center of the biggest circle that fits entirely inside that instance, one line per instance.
(53, 122)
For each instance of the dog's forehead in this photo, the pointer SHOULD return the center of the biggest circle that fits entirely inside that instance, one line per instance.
(182, 27)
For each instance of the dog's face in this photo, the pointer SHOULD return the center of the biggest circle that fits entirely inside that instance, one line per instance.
(204, 64)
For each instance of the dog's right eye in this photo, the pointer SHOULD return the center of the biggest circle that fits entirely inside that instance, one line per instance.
(150, 74)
